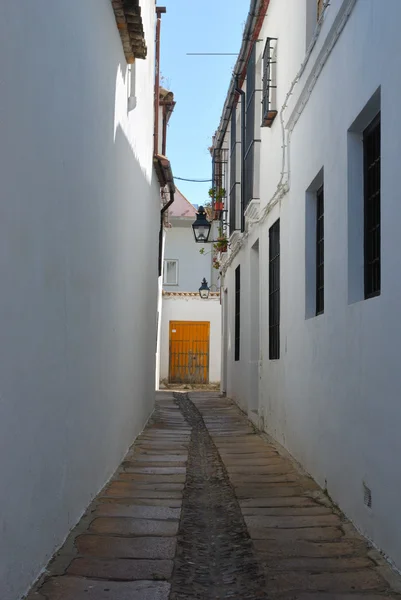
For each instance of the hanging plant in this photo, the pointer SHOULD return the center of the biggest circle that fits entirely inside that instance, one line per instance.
(222, 242)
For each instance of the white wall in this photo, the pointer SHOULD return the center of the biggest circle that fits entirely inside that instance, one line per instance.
(333, 396)
(192, 266)
(192, 308)
(78, 275)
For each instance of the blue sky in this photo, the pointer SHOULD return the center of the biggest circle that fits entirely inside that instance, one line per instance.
(199, 83)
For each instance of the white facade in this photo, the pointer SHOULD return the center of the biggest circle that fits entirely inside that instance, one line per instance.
(192, 266)
(186, 307)
(80, 214)
(332, 396)
(184, 267)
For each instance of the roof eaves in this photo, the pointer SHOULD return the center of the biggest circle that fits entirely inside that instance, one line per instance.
(130, 25)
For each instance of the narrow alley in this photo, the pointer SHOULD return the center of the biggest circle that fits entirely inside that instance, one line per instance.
(205, 507)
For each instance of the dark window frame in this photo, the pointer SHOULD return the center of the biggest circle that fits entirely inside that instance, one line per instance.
(237, 313)
(269, 113)
(249, 141)
(372, 208)
(320, 251)
(233, 170)
(274, 291)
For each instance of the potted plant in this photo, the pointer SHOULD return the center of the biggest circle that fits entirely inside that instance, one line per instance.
(221, 243)
(217, 196)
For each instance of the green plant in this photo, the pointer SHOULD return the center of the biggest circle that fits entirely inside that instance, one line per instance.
(217, 194)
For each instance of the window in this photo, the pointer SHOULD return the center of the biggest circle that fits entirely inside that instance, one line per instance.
(320, 251)
(249, 129)
(233, 169)
(371, 167)
(274, 291)
(269, 109)
(237, 312)
(170, 272)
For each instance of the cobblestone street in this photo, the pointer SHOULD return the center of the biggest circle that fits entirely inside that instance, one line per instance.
(204, 507)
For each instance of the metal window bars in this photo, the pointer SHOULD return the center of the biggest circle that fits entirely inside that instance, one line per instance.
(372, 216)
(269, 110)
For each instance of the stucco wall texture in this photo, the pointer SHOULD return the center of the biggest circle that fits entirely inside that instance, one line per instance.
(78, 275)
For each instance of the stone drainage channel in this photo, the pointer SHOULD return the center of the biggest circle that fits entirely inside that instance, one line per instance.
(204, 508)
(215, 557)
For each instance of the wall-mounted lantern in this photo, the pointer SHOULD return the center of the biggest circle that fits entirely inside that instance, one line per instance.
(201, 227)
(204, 290)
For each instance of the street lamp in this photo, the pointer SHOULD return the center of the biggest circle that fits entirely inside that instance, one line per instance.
(201, 227)
(204, 290)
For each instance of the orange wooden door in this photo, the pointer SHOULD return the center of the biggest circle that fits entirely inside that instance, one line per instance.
(189, 352)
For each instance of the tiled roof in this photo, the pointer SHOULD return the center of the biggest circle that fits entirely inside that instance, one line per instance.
(181, 207)
(130, 26)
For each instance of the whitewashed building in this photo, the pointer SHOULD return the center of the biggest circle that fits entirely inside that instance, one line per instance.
(190, 332)
(79, 224)
(312, 282)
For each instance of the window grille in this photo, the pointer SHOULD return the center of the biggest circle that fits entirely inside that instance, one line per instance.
(269, 108)
(220, 160)
(249, 129)
(320, 251)
(233, 170)
(237, 312)
(274, 291)
(371, 151)
(170, 276)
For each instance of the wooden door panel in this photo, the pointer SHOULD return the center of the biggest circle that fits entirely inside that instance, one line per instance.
(189, 352)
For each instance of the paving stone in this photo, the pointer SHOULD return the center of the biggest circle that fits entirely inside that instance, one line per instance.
(268, 490)
(257, 483)
(292, 521)
(273, 549)
(137, 512)
(253, 462)
(134, 492)
(287, 511)
(276, 502)
(282, 468)
(306, 533)
(155, 470)
(324, 596)
(78, 588)
(117, 547)
(146, 485)
(319, 564)
(152, 464)
(125, 569)
(364, 579)
(170, 458)
(139, 527)
(172, 502)
(146, 477)
(247, 451)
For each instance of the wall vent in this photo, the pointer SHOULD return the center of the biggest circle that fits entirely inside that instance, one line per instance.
(367, 496)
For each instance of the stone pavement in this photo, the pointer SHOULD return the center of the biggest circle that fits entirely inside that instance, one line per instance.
(203, 507)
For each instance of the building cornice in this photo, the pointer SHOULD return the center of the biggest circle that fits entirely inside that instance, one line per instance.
(130, 25)
(195, 295)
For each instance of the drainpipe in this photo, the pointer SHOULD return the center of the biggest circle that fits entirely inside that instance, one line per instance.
(163, 210)
(159, 11)
(243, 115)
(164, 140)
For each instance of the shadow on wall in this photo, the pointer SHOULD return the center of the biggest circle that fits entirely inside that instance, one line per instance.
(77, 308)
